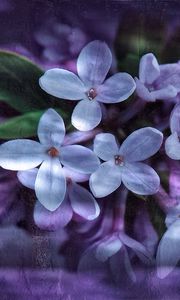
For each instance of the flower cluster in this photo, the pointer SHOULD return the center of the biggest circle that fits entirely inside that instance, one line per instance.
(68, 177)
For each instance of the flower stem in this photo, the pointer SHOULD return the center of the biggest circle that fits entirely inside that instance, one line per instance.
(120, 209)
(164, 200)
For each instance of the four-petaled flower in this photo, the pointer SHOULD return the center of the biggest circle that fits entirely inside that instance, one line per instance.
(112, 250)
(123, 163)
(24, 154)
(78, 200)
(93, 64)
(156, 81)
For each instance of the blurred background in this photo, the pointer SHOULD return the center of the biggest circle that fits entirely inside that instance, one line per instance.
(33, 263)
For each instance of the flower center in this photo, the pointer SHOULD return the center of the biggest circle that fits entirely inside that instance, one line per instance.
(119, 160)
(53, 152)
(91, 94)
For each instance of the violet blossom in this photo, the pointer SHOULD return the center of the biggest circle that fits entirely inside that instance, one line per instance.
(77, 200)
(124, 163)
(24, 154)
(60, 42)
(93, 64)
(172, 144)
(168, 254)
(114, 247)
(157, 81)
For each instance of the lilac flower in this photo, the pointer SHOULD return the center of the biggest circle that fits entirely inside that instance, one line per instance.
(155, 81)
(24, 154)
(112, 250)
(123, 164)
(172, 144)
(61, 42)
(168, 253)
(77, 200)
(93, 65)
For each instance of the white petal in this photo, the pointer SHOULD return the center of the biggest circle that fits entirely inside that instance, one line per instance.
(149, 69)
(116, 89)
(62, 84)
(52, 220)
(141, 144)
(21, 154)
(172, 146)
(164, 93)
(175, 119)
(79, 158)
(105, 146)
(82, 202)
(28, 178)
(94, 62)
(50, 185)
(77, 137)
(105, 180)
(138, 248)
(75, 176)
(140, 178)
(51, 129)
(172, 215)
(86, 115)
(108, 247)
(168, 253)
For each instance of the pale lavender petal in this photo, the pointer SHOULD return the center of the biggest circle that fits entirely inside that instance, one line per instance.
(93, 63)
(174, 183)
(89, 263)
(105, 146)
(168, 253)
(75, 176)
(128, 266)
(143, 92)
(50, 185)
(149, 69)
(21, 154)
(172, 215)
(169, 75)
(108, 247)
(77, 137)
(140, 178)
(139, 248)
(79, 158)
(172, 146)
(51, 129)
(86, 115)
(165, 93)
(62, 84)
(175, 119)
(105, 180)
(52, 220)
(28, 178)
(141, 144)
(82, 202)
(119, 263)
(116, 89)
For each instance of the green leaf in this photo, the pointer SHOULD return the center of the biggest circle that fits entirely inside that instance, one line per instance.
(25, 125)
(19, 84)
